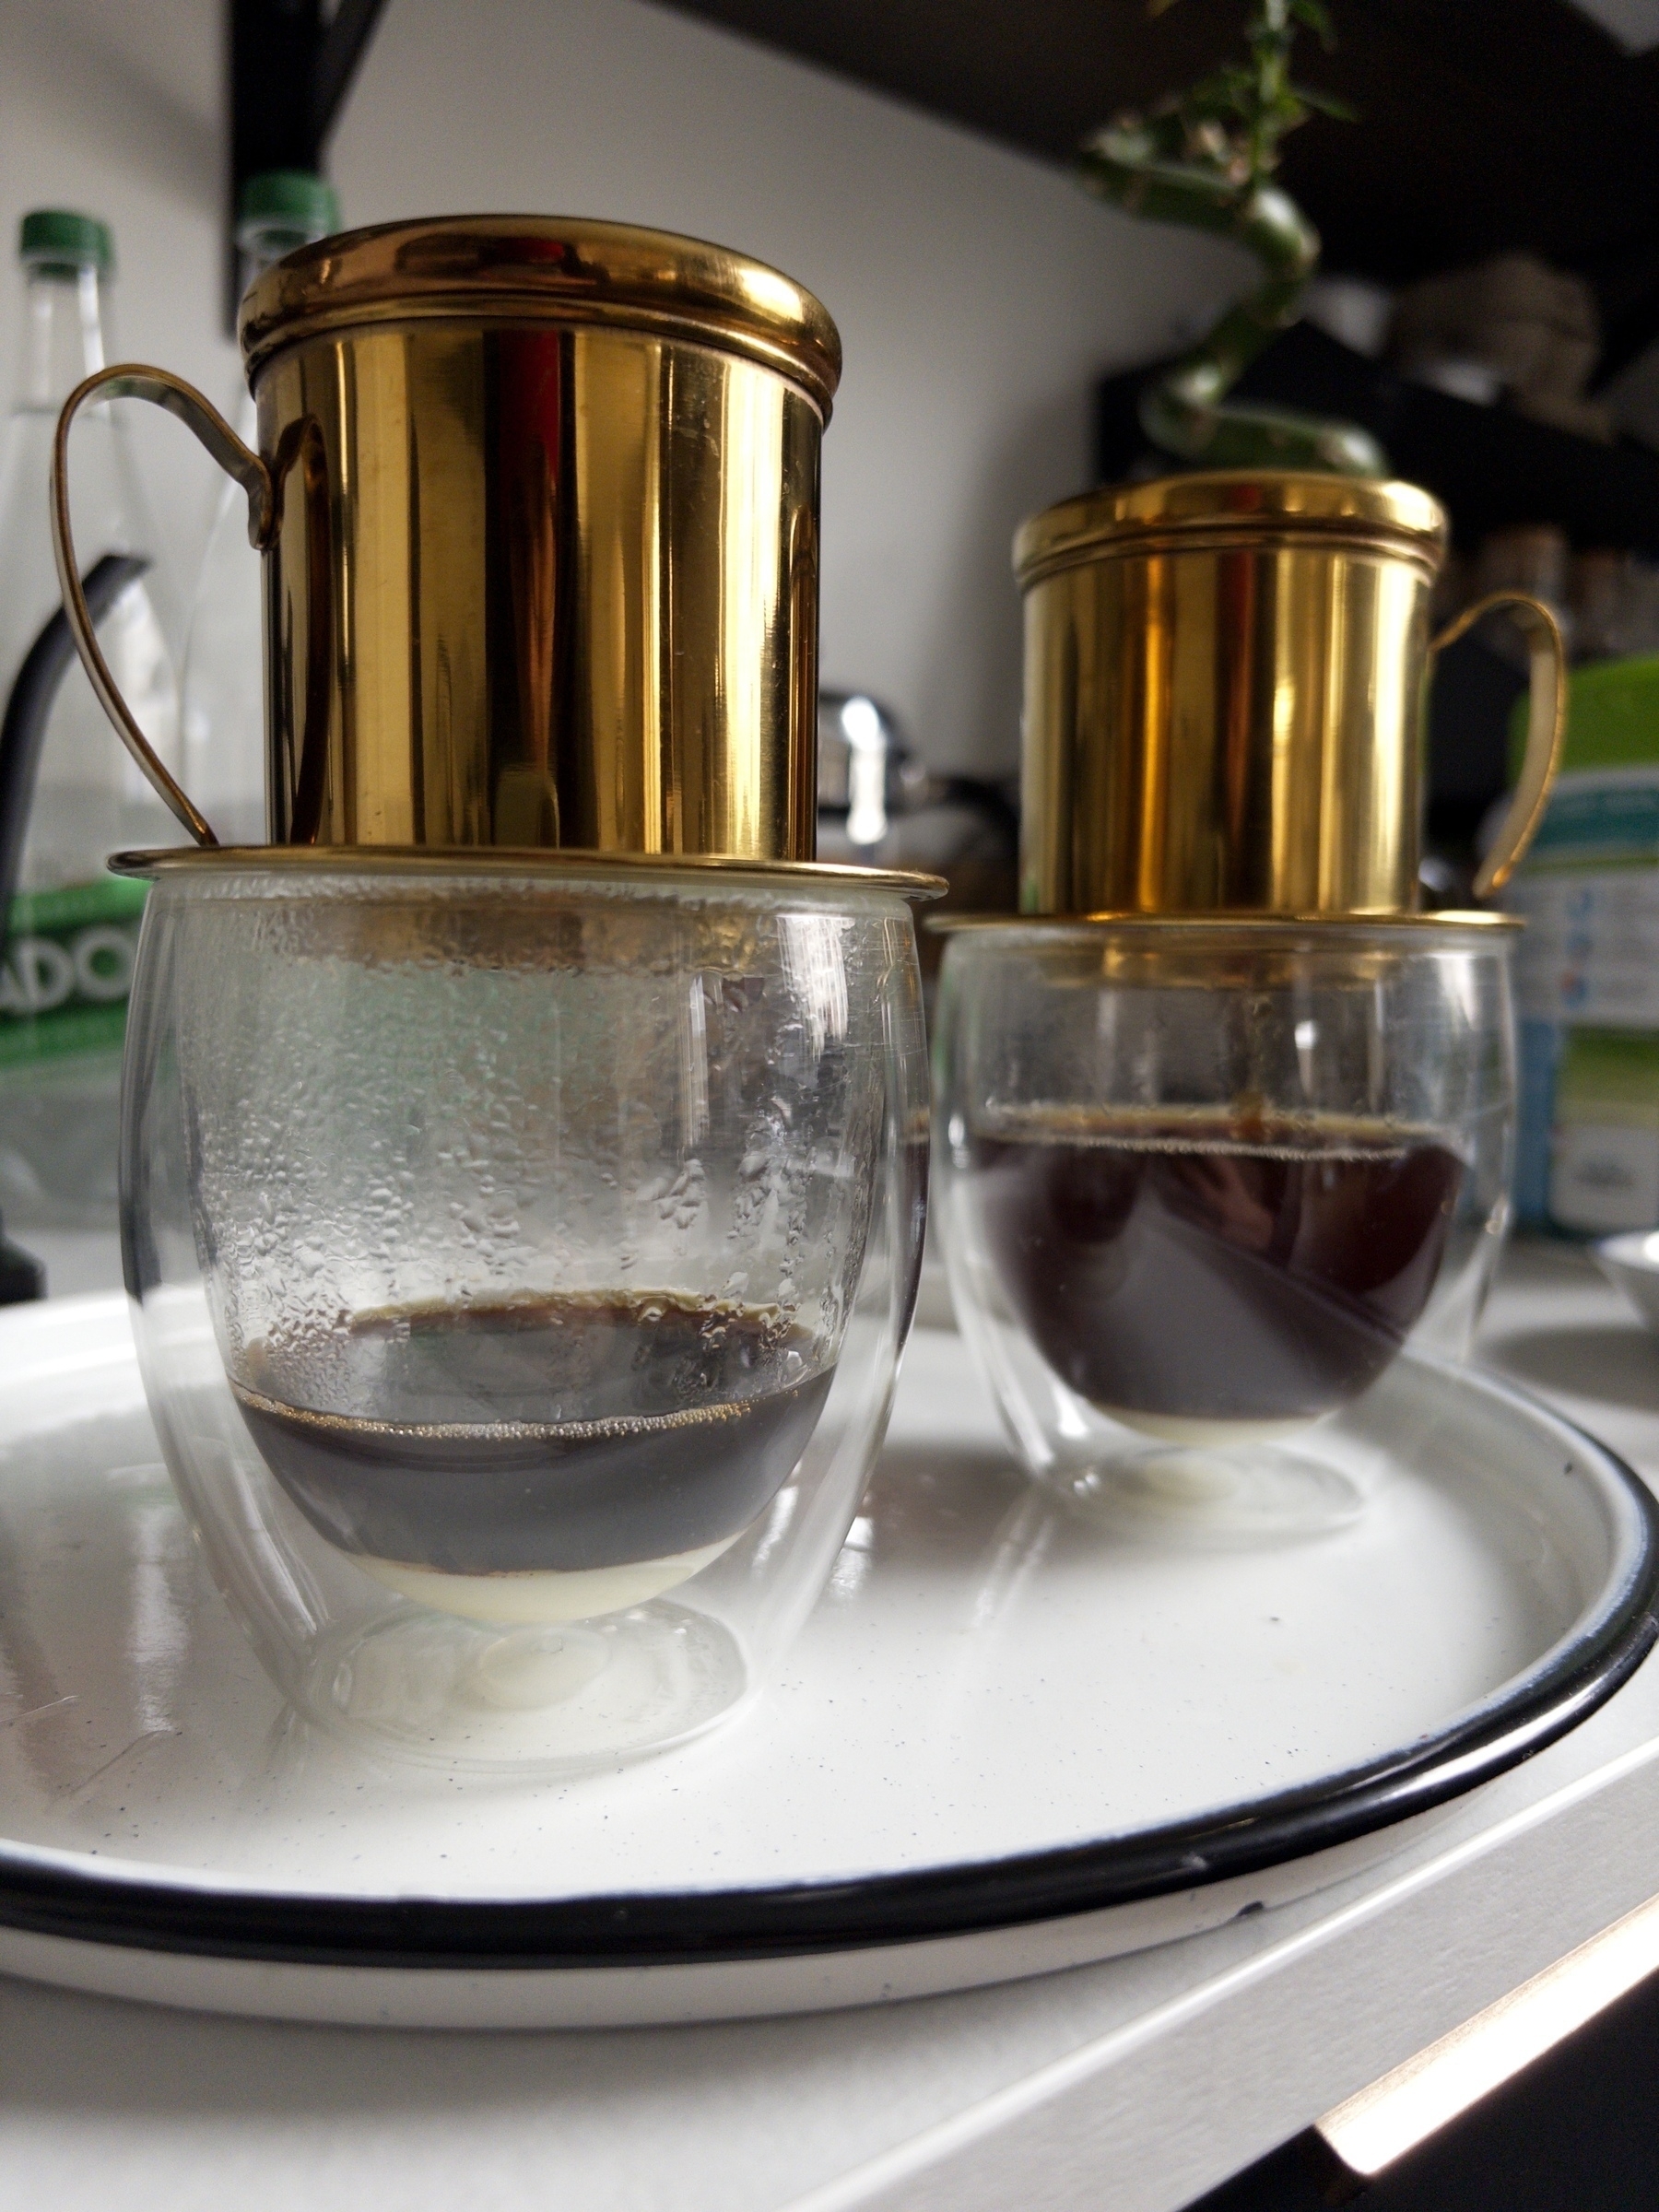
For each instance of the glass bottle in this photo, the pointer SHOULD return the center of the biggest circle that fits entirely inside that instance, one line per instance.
(223, 677)
(71, 928)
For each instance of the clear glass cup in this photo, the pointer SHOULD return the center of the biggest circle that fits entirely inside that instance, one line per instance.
(1201, 1181)
(520, 1255)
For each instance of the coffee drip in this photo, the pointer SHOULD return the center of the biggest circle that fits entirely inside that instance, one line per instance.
(1178, 1269)
(562, 1434)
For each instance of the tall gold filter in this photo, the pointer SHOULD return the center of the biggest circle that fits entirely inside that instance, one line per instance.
(538, 506)
(1224, 698)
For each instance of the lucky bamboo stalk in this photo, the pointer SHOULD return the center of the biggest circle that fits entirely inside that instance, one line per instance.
(1205, 159)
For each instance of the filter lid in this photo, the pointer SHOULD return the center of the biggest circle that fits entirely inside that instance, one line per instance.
(526, 269)
(1213, 505)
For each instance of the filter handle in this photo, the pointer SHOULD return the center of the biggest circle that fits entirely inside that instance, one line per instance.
(1545, 727)
(133, 380)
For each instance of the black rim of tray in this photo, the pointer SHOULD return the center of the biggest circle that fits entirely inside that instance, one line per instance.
(800, 1920)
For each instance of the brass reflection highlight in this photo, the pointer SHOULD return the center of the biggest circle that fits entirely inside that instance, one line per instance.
(1224, 698)
(566, 566)
(538, 506)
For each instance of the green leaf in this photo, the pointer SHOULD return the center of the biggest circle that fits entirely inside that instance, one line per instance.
(1316, 16)
(1326, 103)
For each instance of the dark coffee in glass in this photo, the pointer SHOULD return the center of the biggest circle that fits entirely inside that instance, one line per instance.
(558, 1433)
(1178, 1266)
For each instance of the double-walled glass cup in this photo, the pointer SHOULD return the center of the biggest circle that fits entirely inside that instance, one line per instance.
(521, 1251)
(1202, 1180)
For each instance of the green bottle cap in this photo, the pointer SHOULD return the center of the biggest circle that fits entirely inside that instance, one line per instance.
(56, 237)
(282, 208)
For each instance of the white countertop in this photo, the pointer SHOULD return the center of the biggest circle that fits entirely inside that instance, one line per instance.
(1139, 2083)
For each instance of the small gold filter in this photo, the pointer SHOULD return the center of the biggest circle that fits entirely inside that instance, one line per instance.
(1224, 698)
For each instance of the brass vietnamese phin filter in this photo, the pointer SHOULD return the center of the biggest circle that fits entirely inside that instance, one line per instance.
(1223, 1122)
(538, 505)
(1224, 698)
(522, 1180)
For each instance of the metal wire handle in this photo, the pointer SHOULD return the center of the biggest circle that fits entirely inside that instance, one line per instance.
(133, 380)
(1545, 727)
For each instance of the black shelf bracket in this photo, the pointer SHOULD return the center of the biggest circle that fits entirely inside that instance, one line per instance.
(291, 67)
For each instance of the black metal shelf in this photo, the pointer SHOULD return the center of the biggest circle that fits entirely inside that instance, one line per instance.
(1484, 126)
(291, 67)
(1489, 466)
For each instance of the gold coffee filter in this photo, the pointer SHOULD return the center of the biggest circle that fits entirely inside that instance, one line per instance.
(1224, 698)
(539, 504)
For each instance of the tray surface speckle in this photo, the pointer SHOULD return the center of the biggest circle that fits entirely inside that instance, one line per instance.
(999, 1717)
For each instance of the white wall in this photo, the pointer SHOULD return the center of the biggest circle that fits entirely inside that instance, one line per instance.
(978, 292)
(113, 106)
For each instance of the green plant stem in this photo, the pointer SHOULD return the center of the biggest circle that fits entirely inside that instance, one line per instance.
(1187, 410)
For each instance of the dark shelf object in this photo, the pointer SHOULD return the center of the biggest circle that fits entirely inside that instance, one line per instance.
(28, 707)
(1489, 465)
(1484, 125)
(22, 734)
(23, 1277)
(290, 69)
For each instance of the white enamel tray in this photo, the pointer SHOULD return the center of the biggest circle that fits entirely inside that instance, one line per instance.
(1630, 1263)
(1007, 1742)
